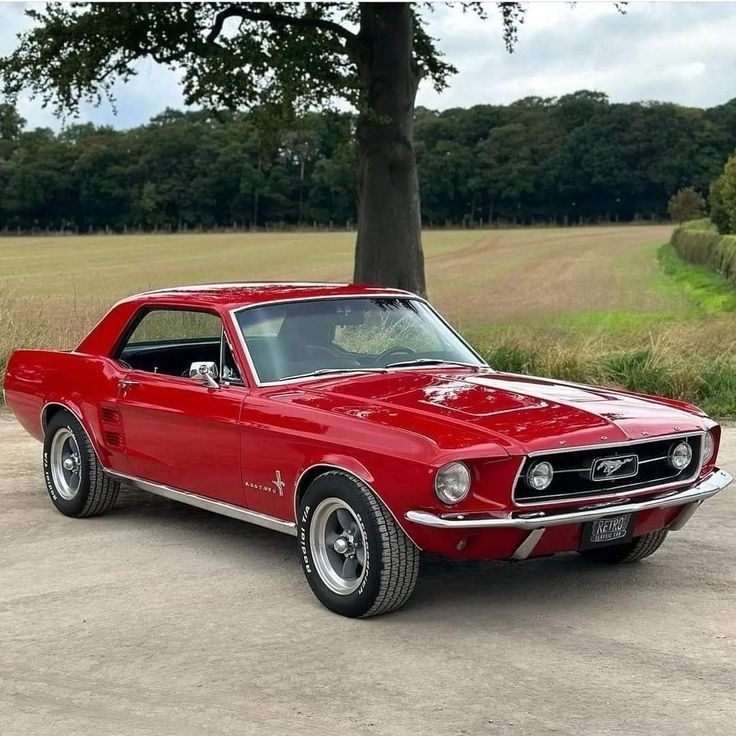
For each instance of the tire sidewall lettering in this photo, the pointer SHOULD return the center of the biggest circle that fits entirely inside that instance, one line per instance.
(303, 539)
(48, 477)
(366, 545)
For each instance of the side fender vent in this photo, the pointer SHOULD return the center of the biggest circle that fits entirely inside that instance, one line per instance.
(110, 414)
(113, 439)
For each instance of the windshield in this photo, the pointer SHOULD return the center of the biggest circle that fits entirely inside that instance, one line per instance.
(296, 339)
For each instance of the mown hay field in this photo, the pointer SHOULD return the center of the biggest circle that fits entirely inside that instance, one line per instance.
(563, 301)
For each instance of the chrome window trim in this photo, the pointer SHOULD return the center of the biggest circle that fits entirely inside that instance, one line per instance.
(289, 381)
(222, 346)
(224, 339)
(215, 285)
(612, 493)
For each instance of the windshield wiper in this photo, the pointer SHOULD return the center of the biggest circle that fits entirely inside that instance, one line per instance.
(433, 361)
(328, 371)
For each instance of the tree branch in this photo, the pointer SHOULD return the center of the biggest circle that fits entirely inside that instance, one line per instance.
(276, 19)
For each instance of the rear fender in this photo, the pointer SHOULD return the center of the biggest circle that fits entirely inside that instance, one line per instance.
(39, 383)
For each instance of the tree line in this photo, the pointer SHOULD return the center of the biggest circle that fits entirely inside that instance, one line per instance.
(573, 159)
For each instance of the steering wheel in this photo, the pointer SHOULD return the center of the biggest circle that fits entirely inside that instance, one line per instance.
(389, 352)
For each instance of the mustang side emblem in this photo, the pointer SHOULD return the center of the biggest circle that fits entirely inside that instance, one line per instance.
(615, 467)
(279, 483)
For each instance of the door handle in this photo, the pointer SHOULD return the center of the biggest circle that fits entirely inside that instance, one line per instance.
(127, 383)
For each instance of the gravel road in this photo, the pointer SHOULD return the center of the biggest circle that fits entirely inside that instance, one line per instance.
(162, 619)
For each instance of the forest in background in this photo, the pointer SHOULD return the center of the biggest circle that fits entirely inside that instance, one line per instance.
(573, 159)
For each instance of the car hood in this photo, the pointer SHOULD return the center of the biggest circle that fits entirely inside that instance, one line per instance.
(522, 413)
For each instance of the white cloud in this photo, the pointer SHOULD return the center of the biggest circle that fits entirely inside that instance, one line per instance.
(679, 52)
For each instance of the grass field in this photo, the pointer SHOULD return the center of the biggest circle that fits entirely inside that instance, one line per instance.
(603, 304)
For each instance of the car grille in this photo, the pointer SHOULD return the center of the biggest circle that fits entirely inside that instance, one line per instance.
(574, 470)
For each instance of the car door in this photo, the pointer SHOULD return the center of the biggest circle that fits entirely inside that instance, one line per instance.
(178, 431)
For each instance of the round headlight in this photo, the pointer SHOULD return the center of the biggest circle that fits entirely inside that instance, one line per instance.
(452, 482)
(539, 475)
(709, 446)
(680, 455)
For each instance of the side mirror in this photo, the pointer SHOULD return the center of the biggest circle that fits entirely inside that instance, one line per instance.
(205, 370)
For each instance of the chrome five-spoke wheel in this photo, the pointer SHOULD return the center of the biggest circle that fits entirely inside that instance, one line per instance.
(75, 480)
(356, 558)
(337, 546)
(65, 463)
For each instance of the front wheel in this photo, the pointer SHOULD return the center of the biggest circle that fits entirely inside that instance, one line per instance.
(356, 558)
(633, 551)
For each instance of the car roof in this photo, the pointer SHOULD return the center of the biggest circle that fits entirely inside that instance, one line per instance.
(247, 293)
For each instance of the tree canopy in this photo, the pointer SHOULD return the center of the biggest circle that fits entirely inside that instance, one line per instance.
(534, 161)
(723, 198)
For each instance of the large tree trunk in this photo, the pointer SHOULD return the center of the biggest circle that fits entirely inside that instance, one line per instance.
(389, 246)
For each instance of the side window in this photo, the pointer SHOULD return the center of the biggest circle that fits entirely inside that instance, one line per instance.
(175, 325)
(168, 341)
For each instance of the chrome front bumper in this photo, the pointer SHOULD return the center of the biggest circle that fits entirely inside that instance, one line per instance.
(708, 487)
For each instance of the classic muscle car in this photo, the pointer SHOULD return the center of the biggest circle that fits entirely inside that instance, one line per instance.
(356, 419)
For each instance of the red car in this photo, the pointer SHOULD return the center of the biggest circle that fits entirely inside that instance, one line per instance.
(357, 420)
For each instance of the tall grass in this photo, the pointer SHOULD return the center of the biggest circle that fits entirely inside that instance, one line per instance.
(698, 368)
(53, 322)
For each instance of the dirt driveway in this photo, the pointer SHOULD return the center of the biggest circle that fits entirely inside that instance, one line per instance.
(162, 619)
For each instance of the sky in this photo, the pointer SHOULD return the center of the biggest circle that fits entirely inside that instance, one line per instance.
(671, 51)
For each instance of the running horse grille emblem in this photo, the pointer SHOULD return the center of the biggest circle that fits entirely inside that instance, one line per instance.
(608, 468)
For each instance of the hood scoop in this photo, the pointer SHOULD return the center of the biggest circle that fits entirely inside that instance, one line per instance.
(476, 399)
(555, 392)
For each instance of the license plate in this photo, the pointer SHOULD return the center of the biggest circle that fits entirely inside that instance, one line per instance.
(608, 531)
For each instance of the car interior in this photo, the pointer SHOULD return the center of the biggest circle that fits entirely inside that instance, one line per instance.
(173, 356)
(303, 342)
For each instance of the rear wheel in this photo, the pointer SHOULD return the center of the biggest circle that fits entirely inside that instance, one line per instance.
(75, 480)
(356, 558)
(633, 551)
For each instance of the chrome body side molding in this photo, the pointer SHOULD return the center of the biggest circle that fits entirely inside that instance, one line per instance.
(708, 487)
(209, 504)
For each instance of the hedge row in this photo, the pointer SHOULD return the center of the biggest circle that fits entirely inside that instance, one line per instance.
(699, 242)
